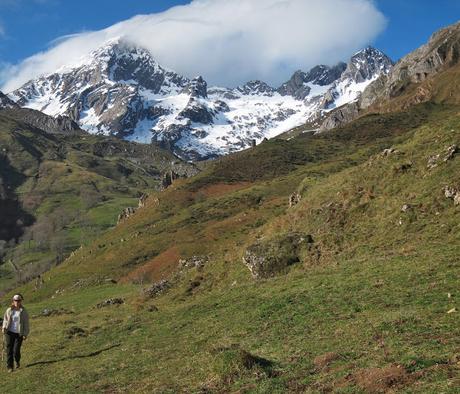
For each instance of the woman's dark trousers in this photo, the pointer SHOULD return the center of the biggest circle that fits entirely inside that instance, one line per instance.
(13, 344)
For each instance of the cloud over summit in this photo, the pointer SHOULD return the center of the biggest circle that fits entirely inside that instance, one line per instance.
(228, 42)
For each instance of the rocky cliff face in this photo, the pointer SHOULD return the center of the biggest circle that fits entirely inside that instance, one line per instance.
(6, 102)
(413, 71)
(121, 90)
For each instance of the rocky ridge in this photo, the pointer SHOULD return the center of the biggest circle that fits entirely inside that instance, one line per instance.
(414, 71)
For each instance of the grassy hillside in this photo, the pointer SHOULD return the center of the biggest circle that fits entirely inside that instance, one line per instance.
(60, 191)
(363, 308)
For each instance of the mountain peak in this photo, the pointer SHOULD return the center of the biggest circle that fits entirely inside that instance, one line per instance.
(256, 87)
(368, 63)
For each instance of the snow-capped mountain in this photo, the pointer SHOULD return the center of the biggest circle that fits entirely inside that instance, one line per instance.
(120, 89)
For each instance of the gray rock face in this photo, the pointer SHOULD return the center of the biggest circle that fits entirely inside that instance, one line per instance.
(256, 88)
(296, 86)
(367, 63)
(324, 75)
(6, 102)
(197, 112)
(197, 88)
(340, 116)
(320, 75)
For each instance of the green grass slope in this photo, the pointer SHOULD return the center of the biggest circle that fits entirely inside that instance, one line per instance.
(60, 191)
(376, 310)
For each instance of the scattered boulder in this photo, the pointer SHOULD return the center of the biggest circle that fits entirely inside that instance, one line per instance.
(389, 151)
(266, 258)
(193, 262)
(433, 162)
(452, 193)
(294, 199)
(125, 214)
(110, 301)
(448, 154)
(74, 332)
(156, 289)
(168, 179)
(406, 208)
(47, 312)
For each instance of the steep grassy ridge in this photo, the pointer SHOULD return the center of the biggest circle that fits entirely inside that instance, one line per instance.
(369, 315)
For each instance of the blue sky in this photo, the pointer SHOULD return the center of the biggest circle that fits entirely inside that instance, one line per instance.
(31, 26)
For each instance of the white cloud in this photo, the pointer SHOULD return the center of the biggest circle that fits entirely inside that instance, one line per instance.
(229, 42)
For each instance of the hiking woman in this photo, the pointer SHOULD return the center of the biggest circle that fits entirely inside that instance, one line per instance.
(15, 329)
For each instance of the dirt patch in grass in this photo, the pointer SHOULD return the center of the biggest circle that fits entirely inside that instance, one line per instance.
(325, 360)
(382, 380)
(220, 189)
(159, 268)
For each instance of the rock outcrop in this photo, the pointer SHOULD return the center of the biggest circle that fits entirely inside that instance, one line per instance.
(452, 193)
(125, 214)
(156, 289)
(270, 257)
(294, 199)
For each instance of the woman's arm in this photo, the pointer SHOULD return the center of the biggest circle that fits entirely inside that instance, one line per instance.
(5, 321)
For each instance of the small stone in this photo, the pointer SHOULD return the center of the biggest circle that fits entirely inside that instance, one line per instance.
(450, 152)
(450, 192)
(457, 199)
(406, 208)
(294, 199)
(110, 301)
(433, 162)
